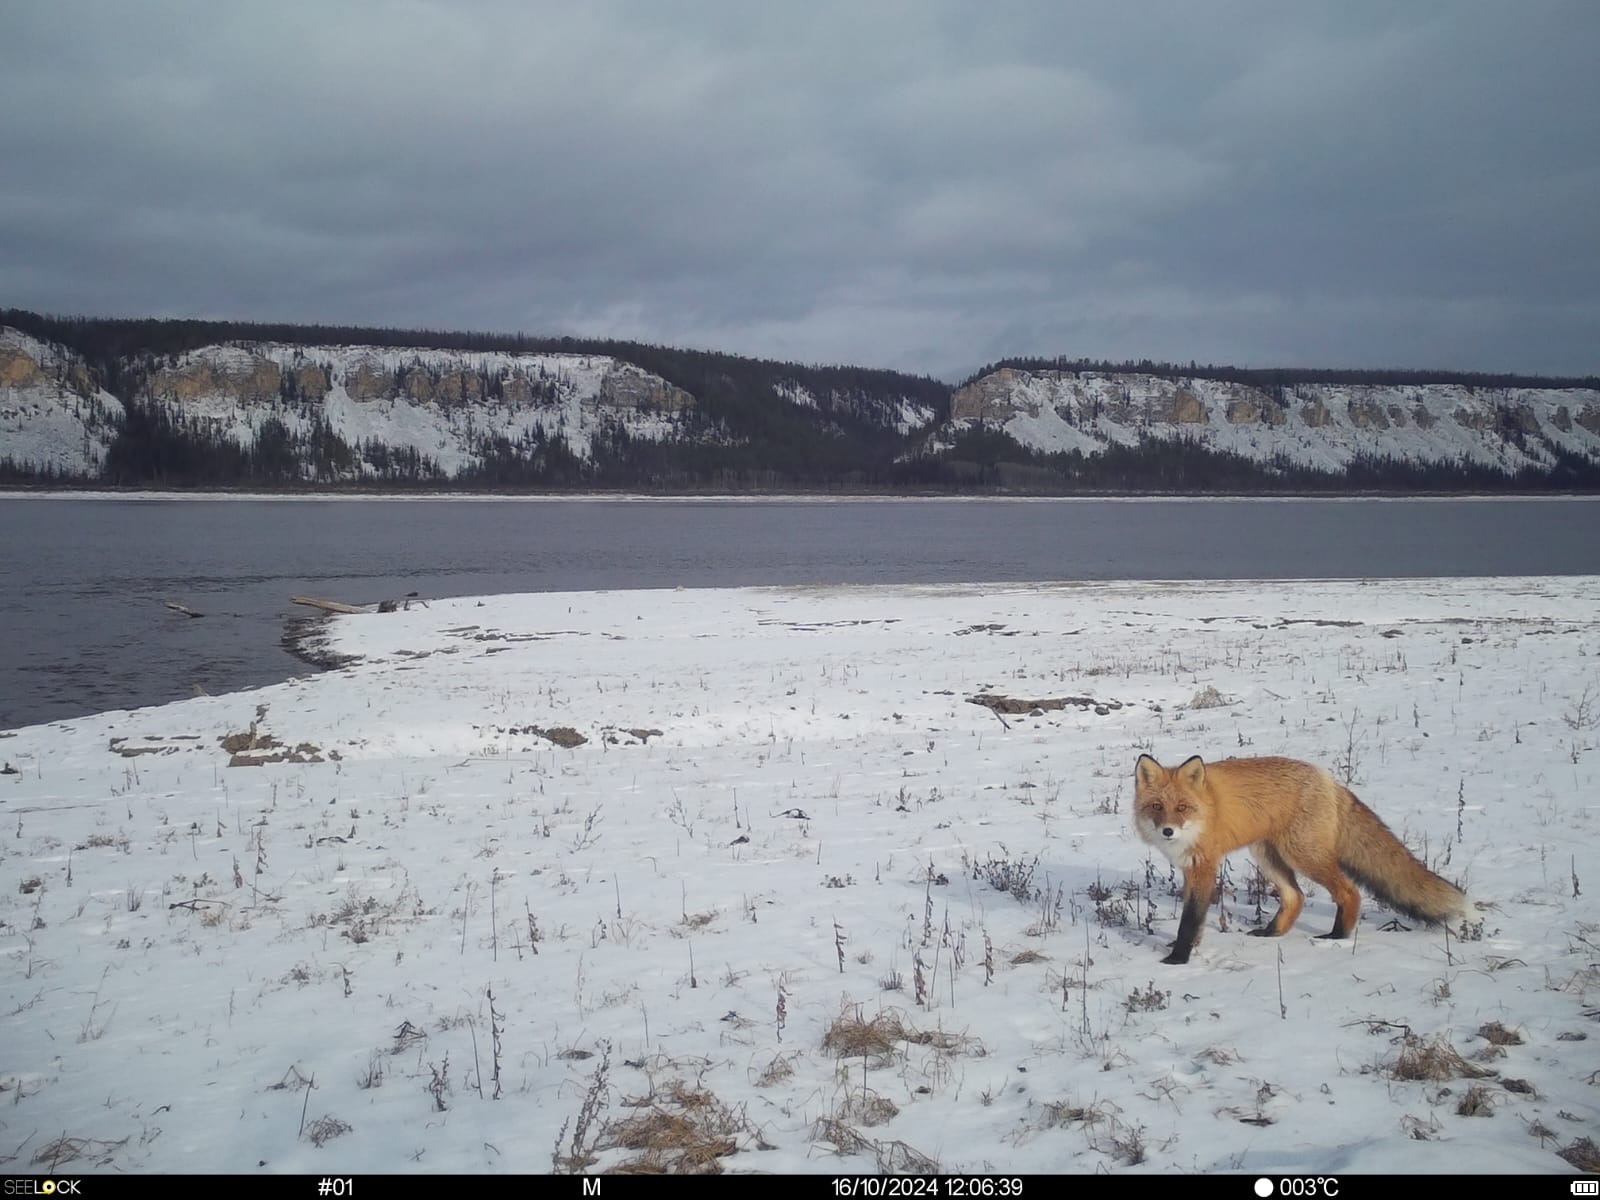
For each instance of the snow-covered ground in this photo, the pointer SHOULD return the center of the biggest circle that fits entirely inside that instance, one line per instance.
(796, 904)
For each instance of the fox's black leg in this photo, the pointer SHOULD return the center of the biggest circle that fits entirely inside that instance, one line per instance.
(1339, 932)
(1199, 883)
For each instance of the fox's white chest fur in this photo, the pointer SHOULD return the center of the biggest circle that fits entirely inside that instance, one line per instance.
(1176, 842)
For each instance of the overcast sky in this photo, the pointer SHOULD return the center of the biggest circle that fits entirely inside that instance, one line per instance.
(917, 184)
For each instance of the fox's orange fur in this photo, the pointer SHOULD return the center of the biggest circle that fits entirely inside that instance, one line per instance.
(1293, 817)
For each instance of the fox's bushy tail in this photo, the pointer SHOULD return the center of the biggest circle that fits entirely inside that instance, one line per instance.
(1377, 860)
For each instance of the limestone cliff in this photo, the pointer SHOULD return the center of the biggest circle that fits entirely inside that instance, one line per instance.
(451, 407)
(55, 420)
(1321, 426)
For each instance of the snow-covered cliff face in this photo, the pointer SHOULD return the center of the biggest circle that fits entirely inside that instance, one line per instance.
(348, 411)
(54, 418)
(447, 405)
(453, 411)
(1323, 426)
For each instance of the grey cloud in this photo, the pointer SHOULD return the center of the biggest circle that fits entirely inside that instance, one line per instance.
(922, 185)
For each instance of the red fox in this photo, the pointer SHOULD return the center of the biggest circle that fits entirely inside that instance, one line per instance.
(1293, 816)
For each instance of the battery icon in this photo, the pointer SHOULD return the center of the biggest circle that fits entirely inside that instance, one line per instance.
(1586, 1187)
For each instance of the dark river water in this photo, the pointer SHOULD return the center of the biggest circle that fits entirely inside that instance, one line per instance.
(83, 627)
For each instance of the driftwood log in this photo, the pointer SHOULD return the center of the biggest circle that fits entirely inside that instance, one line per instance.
(178, 608)
(332, 606)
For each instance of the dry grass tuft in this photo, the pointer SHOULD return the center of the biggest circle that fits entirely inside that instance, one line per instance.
(893, 1157)
(1498, 1035)
(1419, 1129)
(841, 1136)
(641, 1166)
(1058, 1114)
(1027, 956)
(70, 1149)
(678, 1130)
(867, 1108)
(780, 1068)
(853, 1036)
(1433, 1061)
(325, 1129)
(897, 1158)
(1478, 1102)
(1584, 1155)
(943, 1039)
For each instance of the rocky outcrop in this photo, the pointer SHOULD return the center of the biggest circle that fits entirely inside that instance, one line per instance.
(627, 387)
(447, 389)
(368, 380)
(988, 399)
(310, 382)
(1367, 413)
(18, 368)
(1251, 407)
(251, 381)
(1243, 412)
(1182, 407)
(1315, 414)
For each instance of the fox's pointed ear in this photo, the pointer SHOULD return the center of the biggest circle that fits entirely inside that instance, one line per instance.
(1147, 770)
(1193, 771)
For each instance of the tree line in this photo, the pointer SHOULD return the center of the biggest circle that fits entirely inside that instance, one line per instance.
(1276, 380)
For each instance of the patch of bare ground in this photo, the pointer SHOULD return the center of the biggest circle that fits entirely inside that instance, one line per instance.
(305, 752)
(564, 736)
(255, 747)
(613, 736)
(1012, 706)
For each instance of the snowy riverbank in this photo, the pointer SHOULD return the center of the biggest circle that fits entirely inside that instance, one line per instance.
(751, 918)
